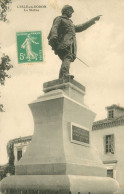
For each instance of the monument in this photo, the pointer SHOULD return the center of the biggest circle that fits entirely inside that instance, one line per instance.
(60, 159)
(62, 38)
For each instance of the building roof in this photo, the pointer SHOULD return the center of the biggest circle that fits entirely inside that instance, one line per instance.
(114, 106)
(20, 139)
(108, 123)
(117, 120)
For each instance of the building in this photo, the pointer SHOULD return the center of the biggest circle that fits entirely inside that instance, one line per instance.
(20, 146)
(108, 138)
(15, 150)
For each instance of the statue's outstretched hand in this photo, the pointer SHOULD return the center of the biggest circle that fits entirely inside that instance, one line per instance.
(97, 18)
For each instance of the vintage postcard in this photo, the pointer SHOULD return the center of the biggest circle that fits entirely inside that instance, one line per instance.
(61, 96)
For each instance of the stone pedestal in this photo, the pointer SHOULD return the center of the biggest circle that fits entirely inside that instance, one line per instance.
(60, 158)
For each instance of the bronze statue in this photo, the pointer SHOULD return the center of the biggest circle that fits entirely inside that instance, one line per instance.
(62, 38)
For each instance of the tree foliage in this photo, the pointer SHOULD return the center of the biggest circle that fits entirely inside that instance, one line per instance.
(4, 67)
(4, 7)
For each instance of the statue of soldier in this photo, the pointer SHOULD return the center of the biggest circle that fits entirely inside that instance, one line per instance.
(62, 38)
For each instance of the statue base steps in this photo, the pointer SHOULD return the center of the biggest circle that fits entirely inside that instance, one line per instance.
(58, 184)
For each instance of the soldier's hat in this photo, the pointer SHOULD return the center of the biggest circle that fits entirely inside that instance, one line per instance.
(67, 7)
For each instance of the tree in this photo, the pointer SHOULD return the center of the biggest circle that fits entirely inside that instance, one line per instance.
(4, 67)
(4, 7)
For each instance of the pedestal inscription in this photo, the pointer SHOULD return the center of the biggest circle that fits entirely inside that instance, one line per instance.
(80, 135)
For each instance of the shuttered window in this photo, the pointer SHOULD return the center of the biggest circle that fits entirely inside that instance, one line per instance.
(109, 144)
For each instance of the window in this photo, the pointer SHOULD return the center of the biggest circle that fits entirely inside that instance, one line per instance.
(19, 154)
(109, 144)
(111, 114)
(110, 173)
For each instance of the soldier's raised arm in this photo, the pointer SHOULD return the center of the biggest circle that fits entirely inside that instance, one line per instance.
(84, 26)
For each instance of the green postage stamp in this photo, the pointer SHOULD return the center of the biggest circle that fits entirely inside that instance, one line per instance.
(29, 47)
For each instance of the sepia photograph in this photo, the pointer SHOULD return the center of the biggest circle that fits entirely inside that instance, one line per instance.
(61, 97)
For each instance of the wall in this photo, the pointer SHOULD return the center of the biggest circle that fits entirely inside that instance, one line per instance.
(98, 142)
(21, 145)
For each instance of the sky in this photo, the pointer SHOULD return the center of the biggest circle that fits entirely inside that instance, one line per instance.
(100, 46)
